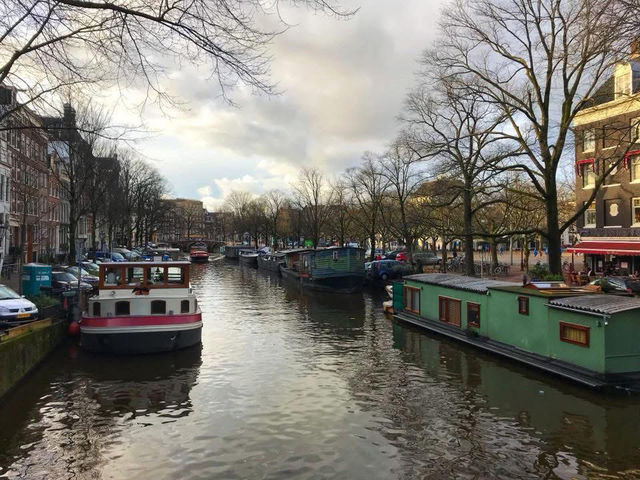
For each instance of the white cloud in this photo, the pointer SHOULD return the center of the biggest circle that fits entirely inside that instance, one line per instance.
(342, 83)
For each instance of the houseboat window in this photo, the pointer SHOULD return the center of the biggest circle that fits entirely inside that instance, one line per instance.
(122, 308)
(473, 314)
(155, 275)
(96, 309)
(412, 299)
(112, 276)
(576, 334)
(449, 310)
(135, 275)
(523, 305)
(175, 275)
(184, 306)
(158, 306)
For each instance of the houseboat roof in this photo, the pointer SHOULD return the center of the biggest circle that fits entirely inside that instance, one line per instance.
(459, 282)
(142, 263)
(294, 250)
(600, 304)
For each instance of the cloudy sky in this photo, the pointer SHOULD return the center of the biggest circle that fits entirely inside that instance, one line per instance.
(342, 83)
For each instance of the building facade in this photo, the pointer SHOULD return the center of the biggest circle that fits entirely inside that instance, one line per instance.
(607, 137)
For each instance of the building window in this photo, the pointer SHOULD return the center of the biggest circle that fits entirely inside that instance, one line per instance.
(473, 314)
(610, 136)
(589, 141)
(613, 170)
(635, 129)
(158, 307)
(635, 211)
(634, 166)
(590, 216)
(523, 305)
(612, 213)
(411, 300)
(184, 306)
(576, 334)
(588, 175)
(122, 308)
(449, 310)
(96, 309)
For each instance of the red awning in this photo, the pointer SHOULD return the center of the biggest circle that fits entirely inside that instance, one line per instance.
(606, 248)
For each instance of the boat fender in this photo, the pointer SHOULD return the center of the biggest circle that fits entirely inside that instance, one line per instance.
(74, 329)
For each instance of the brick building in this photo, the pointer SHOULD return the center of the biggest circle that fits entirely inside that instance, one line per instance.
(607, 137)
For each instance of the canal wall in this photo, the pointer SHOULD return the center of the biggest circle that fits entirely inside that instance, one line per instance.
(20, 353)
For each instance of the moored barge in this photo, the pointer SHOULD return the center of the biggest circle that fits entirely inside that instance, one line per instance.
(142, 307)
(199, 253)
(586, 337)
(271, 261)
(333, 269)
(249, 257)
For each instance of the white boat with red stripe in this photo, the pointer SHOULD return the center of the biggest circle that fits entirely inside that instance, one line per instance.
(142, 307)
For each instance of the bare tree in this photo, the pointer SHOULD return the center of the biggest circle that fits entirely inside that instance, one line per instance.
(457, 133)
(341, 216)
(73, 45)
(367, 185)
(313, 197)
(540, 63)
(274, 203)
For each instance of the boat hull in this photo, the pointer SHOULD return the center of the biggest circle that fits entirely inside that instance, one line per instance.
(201, 259)
(251, 261)
(140, 335)
(334, 284)
(269, 265)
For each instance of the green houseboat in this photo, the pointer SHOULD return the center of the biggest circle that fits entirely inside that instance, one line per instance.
(333, 269)
(590, 338)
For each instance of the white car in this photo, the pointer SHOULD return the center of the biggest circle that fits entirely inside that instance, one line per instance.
(14, 309)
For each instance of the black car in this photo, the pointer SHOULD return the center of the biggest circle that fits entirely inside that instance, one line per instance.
(62, 281)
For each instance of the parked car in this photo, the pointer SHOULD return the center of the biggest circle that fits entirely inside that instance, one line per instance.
(14, 309)
(394, 253)
(386, 269)
(106, 256)
(129, 255)
(62, 281)
(92, 268)
(86, 276)
(425, 258)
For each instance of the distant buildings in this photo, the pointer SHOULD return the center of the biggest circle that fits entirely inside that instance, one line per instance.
(605, 132)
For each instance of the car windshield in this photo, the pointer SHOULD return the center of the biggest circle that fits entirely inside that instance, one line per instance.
(74, 270)
(64, 277)
(7, 294)
(117, 256)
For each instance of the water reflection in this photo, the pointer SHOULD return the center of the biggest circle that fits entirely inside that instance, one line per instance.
(570, 431)
(303, 385)
(76, 423)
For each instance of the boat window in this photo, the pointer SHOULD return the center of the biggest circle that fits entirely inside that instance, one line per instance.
(135, 275)
(449, 310)
(122, 308)
(523, 305)
(576, 334)
(473, 314)
(96, 309)
(155, 275)
(184, 306)
(411, 299)
(112, 276)
(158, 306)
(175, 275)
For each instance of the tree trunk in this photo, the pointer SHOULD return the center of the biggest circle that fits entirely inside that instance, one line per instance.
(372, 240)
(494, 253)
(468, 233)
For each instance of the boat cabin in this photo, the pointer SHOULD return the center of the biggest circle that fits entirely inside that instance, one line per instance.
(586, 336)
(146, 275)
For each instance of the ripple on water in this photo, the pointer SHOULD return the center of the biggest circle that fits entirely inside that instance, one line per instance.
(307, 386)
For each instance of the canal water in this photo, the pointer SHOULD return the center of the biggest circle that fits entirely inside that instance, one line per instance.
(308, 386)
